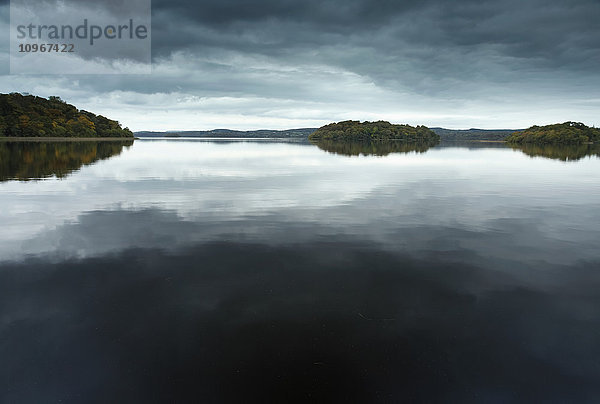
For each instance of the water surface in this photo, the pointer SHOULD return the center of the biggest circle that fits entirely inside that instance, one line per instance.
(212, 271)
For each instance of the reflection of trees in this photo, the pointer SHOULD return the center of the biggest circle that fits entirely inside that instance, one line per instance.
(373, 148)
(31, 160)
(559, 152)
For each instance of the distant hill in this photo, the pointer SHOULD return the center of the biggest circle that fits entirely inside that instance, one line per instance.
(473, 134)
(228, 133)
(31, 116)
(560, 133)
(303, 133)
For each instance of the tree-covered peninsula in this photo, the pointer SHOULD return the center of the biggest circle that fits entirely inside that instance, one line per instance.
(560, 133)
(357, 131)
(31, 116)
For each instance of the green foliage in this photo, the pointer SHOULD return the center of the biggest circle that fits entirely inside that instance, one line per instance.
(32, 160)
(472, 134)
(373, 131)
(30, 116)
(561, 133)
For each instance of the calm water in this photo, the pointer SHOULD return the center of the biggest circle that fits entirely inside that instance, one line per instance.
(202, 271)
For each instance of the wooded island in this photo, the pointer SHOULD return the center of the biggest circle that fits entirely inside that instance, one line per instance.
(31, 116)
(560, 133)
(357, 131)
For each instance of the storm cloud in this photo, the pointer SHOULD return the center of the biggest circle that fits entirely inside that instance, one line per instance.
(281, 64)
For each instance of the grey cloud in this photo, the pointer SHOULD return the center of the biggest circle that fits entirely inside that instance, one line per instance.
(532, 29)
(480, 59)
(430, 48)
(114, 7)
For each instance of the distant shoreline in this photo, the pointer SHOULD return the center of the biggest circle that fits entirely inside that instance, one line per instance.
(477, 141)
(66, 139)
(117, 139)
(218, 138)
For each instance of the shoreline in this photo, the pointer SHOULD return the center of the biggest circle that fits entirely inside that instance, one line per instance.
(479, 141)
(66, 139)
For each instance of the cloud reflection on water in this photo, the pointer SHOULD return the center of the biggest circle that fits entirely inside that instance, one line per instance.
(303, 276)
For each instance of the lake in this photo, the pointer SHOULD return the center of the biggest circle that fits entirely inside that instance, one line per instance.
(261, 271)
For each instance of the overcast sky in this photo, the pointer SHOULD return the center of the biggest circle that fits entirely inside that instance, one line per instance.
(285, 64)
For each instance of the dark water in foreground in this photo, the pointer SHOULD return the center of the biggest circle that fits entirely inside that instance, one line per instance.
(194, 271)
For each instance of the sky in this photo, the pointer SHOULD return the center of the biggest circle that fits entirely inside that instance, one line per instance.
(279, 64)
